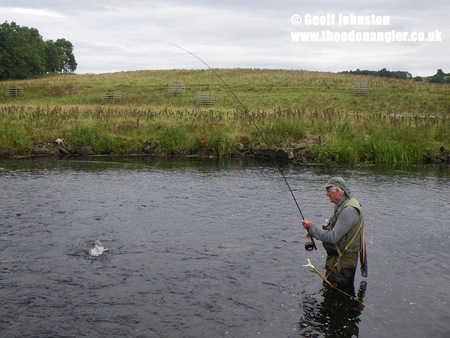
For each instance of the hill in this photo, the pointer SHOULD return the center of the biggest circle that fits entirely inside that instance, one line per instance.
(310, 116)
(258, 89)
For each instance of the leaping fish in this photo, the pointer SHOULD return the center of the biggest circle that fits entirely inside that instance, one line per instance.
(96, 249)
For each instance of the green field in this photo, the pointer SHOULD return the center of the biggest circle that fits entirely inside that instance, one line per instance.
(398, 122)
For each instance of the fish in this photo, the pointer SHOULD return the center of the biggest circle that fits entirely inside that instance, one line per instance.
(96, 249)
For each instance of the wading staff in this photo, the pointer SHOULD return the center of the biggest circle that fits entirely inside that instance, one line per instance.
(309, 246)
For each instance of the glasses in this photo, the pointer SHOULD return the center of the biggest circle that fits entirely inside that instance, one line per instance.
(330, 189)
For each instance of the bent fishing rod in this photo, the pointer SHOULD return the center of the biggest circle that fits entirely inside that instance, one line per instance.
(309, 246)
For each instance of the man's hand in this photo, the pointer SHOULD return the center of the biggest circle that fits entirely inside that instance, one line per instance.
(306, 224)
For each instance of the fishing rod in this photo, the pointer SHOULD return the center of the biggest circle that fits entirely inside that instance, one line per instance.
(309, 246)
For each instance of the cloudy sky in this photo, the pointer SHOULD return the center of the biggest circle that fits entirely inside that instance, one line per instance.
(110, 36)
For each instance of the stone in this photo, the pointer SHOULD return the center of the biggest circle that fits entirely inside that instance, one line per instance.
(148, 148)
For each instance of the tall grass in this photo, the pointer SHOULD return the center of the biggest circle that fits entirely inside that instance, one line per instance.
(176, 140)
(346, 137)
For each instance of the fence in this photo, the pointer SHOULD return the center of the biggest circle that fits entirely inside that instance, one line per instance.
(205, 99)
(108, 97)
(361, 88)
(14, 91)
(176, 89)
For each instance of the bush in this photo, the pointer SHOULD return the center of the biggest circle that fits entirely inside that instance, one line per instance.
(221, 141)
(175, 140)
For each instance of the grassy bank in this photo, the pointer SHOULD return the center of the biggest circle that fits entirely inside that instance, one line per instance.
(398, 122)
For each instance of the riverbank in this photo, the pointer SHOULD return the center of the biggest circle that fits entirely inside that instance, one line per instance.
(298, 136)
(304, 116)
(301, 152)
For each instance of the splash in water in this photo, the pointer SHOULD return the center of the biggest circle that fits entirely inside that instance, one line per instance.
(96, 249)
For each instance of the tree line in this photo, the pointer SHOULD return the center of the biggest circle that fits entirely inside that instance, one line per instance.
(24, 54)
(382, 73)
(439, 77)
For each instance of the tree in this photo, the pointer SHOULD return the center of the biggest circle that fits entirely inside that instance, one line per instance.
(439, 77)
(60, 58)
(66, 48)
(53, 58)
(24, 54)
(384, 73)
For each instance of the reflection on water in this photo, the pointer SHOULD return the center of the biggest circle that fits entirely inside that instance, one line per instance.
(334, 315)
(203, 248)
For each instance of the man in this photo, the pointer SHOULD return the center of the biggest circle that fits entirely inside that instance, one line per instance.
(343, 236)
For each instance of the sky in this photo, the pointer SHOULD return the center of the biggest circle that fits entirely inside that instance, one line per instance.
(117, 35)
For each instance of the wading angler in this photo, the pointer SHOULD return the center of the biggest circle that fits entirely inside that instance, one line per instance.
(342, 236)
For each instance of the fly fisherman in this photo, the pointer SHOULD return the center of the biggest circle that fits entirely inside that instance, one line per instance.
(343, 236)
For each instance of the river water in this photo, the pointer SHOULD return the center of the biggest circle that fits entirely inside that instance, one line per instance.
(214, 249)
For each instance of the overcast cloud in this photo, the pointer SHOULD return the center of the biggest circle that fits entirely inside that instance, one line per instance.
(110, 36)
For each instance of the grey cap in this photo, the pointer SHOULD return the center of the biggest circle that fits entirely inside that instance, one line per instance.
(338, 182)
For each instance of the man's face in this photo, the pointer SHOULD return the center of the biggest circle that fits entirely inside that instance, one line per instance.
(333, 195)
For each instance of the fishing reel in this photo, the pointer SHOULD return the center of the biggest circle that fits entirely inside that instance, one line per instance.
(310, 246)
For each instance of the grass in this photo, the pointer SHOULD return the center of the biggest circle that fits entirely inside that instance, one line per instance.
(398, 122)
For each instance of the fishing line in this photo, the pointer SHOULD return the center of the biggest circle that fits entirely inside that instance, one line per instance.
(252, 121)
(310, 245)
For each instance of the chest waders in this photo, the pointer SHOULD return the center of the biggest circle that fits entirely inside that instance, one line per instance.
(342, 257)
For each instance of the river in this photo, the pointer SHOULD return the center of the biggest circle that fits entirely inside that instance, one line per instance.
(213, 248)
